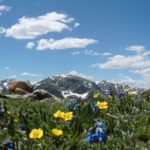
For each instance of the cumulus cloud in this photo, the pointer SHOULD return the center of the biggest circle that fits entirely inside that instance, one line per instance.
(139, 63)
(77, 24)
(91, 53)
(30, 74)
(30, 45)
(64, 43)
(30, 27)
(73, 72)
(4, 8)
(139, 60)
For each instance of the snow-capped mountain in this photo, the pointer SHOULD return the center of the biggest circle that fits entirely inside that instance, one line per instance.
(64, 86)
(105, 85)
(68, 86)
(4, 85)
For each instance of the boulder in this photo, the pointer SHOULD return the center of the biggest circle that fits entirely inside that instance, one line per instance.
(3, 96)
(24, 85)
(20, 91)
(38, 94)
(41, 94)
(146, 94)
(29, 96)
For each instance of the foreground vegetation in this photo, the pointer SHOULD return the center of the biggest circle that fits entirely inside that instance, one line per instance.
(118, 122)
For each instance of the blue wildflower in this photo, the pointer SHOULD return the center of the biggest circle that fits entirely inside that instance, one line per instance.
(96, 134)
(69, 105)
(73, 106)
(100, 124)
(110, 92)
(9, 145)
(120, 94)
(75, 102)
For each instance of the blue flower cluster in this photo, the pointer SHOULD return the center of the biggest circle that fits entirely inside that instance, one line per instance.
(9, 145)
(121, 94)
(110, 92)
(97, 134)
(73, 105)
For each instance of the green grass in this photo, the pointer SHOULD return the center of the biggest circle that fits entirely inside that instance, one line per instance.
(127, 125)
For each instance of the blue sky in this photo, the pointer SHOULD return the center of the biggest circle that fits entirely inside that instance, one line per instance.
(100, 39)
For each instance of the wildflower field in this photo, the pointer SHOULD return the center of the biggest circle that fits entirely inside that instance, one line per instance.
(121, 122)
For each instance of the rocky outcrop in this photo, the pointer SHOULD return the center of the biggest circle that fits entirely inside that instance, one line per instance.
(24, 85)
(146, 94)
(38, 94)
(47, 85)
(20, 91)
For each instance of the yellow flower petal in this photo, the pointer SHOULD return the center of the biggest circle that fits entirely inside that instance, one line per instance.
(57, 132)
(59, 114)
(68, 116)
(102, 105)
(36, 133)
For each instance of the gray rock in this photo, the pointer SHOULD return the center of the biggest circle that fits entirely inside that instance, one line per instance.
(29, 96)
(41, 94)
(38, 94)
(20, 91)
(146, 93)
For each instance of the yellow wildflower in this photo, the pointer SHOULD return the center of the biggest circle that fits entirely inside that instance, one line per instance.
(68, 116)
(130, 93)
(59, 114)
(57, 132)
(36, 133)
(96, 95)
(102, 105)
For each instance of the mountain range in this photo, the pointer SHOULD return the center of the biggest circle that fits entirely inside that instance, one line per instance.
(66, 86)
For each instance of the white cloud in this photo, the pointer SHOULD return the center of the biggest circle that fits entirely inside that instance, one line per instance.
(30, 74)
(122, 62)
(92, 53)
(2, 30)
(7, 68)
(136, 48)
(76, 53)
(73, 72)
(139, 63)
(107, 54)
(12, 76)
(30, 45)
(77, 24)
(30, 28)
(139, 60)
(65, 43)
(4, 8)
